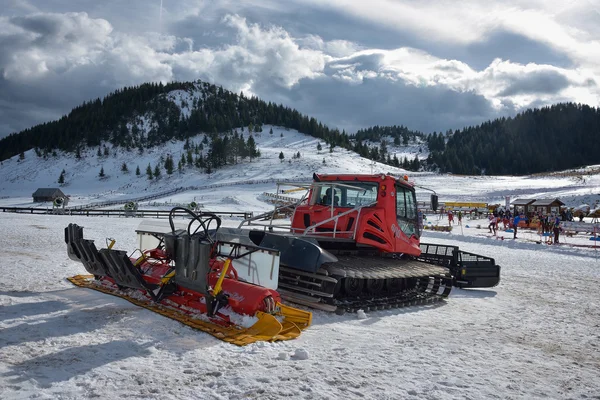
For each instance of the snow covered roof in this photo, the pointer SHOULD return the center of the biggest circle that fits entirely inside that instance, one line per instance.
(547, 202)
(522, 202)
(48, 192)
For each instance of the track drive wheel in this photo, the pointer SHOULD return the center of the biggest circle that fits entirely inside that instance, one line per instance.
(353, 286)
(375, 286)
(394, 285)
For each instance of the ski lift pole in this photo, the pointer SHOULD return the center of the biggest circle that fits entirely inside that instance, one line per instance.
(595, 248)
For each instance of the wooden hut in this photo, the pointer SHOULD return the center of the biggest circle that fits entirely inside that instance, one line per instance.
(547, 206)
(522, 206)
(47, 194)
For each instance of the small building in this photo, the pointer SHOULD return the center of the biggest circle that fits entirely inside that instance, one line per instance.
(523, 206)
(47, 194)
(547, 206)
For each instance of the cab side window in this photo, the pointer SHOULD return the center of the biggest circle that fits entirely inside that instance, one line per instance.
(406, 211)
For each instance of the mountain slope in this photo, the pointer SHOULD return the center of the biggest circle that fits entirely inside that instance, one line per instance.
(21, 177)
(151, 114)
(548, 139)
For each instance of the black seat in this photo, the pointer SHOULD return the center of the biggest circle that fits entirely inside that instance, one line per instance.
(192, 256)
(327, 199)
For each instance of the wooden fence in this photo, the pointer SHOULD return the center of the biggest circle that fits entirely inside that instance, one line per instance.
(115, 213)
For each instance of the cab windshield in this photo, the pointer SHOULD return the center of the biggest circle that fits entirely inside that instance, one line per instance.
(345, 194)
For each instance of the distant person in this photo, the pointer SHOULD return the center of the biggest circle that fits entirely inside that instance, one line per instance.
(556, 229)
(459, 217)
(544, 222)
(516, 221)
(450, 218)
(492, 225)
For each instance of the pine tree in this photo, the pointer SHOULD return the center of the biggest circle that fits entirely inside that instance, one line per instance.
(251, 146)
(101, 174)
(99, 153)
(156, 172)
(169, 165)
(149, 171)
(61, 178)
(281, 156)
(106, 153)
(271, 131)
(319, 148)
(124, 167)
(22, 155)
(137, 170)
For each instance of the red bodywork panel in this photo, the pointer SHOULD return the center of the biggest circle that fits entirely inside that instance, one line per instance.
(244, 298)
(374, 226)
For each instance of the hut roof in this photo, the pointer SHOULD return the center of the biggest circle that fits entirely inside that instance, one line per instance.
(547, 202)
(48, 192)
(522, 202)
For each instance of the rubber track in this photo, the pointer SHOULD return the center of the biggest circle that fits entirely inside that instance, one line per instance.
(381, 268)
(410, 298)
(435, 283)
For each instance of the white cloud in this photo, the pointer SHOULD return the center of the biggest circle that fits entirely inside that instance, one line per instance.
(90, 54)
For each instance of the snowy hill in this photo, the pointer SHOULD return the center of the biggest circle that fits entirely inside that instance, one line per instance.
(20, 178)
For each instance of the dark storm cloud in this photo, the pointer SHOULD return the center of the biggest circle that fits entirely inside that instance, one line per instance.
(514, 47)
(382, 102)
(538, 82)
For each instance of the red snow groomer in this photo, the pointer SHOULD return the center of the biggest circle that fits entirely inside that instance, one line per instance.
(194, 277)
(355, 243)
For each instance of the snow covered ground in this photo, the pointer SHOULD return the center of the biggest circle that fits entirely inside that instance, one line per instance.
(535, 335)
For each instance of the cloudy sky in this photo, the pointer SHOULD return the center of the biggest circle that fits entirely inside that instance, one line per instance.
(429, 65)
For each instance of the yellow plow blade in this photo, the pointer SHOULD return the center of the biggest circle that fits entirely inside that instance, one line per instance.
(267, 328)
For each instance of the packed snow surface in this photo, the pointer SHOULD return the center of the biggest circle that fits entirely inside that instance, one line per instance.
(535, 335)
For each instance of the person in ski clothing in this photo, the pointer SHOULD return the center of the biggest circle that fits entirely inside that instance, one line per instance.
(460, 217)
(516, 221)
(492, 225)
(450, 218)
(556, 229)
